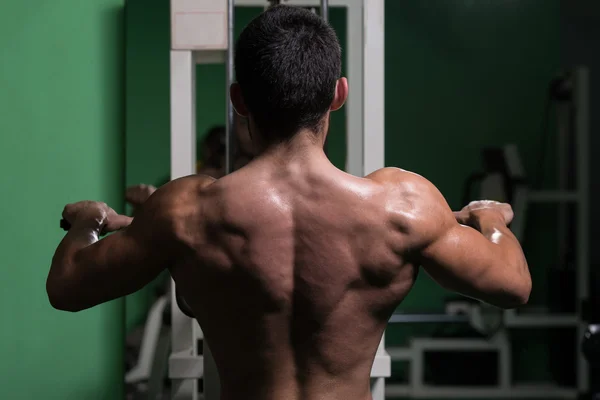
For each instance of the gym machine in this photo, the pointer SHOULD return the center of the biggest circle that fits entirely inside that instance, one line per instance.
(202, 32)
(504, 180)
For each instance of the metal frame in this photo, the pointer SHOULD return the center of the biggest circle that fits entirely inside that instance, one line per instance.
(364, 117)
(582, 134)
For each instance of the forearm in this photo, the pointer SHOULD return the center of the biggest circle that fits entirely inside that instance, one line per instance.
(62, 279)
(492, 226)
(509, 275)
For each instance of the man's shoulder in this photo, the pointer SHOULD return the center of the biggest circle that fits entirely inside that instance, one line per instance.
(178, 190)
(416, 205)
(189, 182)
(177, 199)
(397, 178)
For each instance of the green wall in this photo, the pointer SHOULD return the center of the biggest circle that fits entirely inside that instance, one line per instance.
(460, 75)
(61, 80)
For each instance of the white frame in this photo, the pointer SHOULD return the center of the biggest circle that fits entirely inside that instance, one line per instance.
(364, 114)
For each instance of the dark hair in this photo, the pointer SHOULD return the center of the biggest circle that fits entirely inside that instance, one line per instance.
(287, 62)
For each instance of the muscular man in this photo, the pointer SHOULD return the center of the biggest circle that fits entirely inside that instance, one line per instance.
(291, 266)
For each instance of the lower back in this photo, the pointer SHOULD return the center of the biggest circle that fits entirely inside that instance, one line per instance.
(315, 385)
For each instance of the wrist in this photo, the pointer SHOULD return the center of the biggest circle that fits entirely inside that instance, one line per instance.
(92, 222)
(480, 219)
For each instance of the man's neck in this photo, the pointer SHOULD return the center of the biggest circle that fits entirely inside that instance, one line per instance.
(302, 144)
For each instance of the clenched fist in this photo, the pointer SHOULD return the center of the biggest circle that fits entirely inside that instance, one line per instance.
(94, 215)
(470, 214)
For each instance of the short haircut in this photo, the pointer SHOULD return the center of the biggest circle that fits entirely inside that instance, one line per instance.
(287, 63)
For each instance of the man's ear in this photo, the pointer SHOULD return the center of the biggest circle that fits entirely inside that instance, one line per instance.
(341, 94)
(235, 93)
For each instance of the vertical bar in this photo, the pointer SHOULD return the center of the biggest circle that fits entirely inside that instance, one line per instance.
(373, 135)
(504, 362)
(211, 375)
(325, 16)
(583, 216)
(183, 115)
(230, 137)
(325, 10)
(563, 123)
(416, 370)
(354, 104)
(183, 159)
(378, 388)
(373, 86)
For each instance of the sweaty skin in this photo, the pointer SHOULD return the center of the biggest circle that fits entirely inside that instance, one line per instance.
(293, 277)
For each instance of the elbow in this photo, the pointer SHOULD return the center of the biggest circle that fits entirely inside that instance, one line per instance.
(510, 286)
(516, 294)
(523, 285)
(525, 291)
(516, 298)
(59, 298)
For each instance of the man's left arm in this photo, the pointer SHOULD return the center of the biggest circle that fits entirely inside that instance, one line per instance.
(87, 271)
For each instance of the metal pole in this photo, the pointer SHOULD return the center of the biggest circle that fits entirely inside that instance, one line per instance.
(325, 10)
(230, 137)
(582, 131)
(325, 16)
(212, 389)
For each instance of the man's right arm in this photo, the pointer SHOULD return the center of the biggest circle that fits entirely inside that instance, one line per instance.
(486, 263)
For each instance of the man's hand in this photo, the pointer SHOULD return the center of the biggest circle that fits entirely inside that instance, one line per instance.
(94, 215)
(138, 194)
(471, 214)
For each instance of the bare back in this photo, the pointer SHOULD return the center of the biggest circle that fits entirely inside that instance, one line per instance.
(293, 279)
(291, 266)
